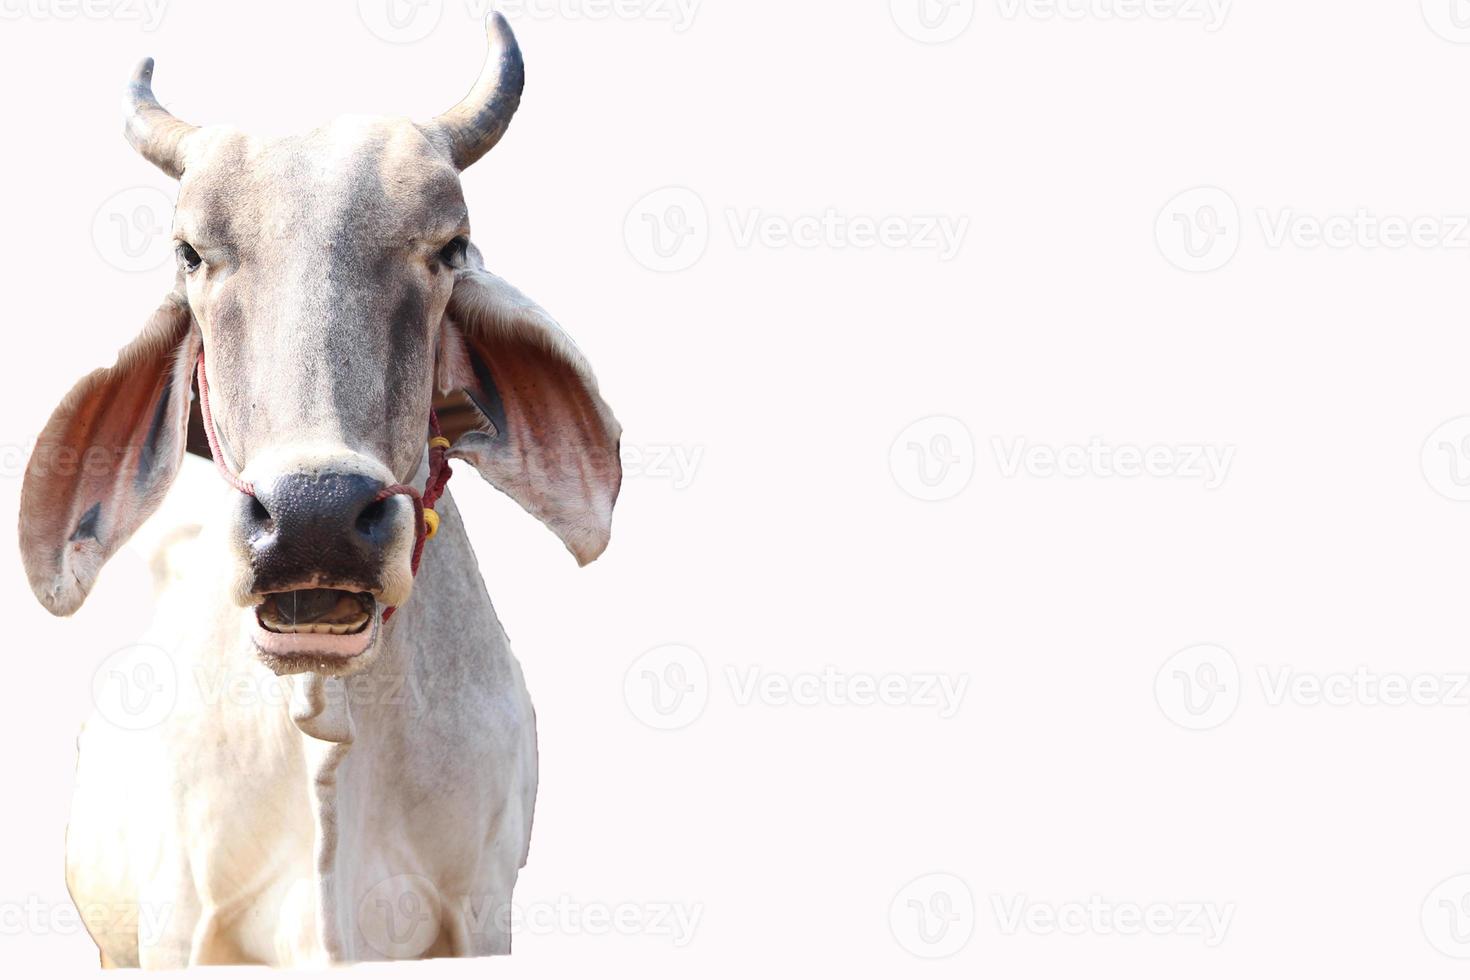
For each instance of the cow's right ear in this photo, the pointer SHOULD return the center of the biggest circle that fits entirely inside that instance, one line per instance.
(106, 458)
(545, 436)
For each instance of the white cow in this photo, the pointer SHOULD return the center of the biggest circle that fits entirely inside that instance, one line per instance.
(349, 771)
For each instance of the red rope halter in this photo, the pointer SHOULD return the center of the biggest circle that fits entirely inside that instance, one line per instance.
(425, 526)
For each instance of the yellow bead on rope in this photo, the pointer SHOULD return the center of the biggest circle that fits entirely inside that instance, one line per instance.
(431, 518)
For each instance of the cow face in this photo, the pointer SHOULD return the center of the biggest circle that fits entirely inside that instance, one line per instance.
(330, 284)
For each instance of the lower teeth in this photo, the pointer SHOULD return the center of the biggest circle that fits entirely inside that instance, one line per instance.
(335, 630)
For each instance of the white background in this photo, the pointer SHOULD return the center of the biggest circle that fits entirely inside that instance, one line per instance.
(1089, 760)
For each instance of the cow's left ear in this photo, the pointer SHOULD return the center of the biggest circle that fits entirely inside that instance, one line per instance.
(546, 438)
(106, 458)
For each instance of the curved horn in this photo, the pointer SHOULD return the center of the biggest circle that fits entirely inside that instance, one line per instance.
(481, 118)
(152, 129)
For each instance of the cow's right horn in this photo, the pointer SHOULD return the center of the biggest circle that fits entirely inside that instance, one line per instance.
(152, 129)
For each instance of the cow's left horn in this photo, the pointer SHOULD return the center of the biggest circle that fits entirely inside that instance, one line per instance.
(481, 118)
(152, 129)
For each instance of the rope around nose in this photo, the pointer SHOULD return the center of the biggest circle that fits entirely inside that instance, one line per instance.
(425, 518)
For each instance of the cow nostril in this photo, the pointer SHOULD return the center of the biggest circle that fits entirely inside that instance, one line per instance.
(319, 526)
(372, 517)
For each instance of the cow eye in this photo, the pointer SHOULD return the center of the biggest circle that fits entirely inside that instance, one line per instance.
(189, 257)
(453, 254)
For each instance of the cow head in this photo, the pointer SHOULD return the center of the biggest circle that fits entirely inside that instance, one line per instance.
(330, 282)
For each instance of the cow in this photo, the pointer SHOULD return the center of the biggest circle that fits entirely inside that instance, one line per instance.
(331, 306)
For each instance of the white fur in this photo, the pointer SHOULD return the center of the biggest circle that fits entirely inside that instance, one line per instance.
(266, 818)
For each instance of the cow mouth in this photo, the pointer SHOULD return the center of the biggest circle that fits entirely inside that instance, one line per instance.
(331, 612)
(327, 631)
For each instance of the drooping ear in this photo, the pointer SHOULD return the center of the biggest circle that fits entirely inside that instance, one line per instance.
(546, 438)
(106, 458)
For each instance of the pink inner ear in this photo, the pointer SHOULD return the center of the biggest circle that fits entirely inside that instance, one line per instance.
(549, 412)
(558, 454)
(104, 461)
(116, 428)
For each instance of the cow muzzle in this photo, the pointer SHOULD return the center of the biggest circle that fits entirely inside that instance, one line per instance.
(326, 553)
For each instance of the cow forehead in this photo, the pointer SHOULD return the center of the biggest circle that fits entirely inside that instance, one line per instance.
(383, 176)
